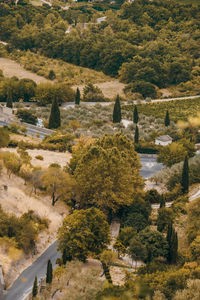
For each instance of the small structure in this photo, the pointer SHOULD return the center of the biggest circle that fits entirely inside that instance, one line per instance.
(163, 140)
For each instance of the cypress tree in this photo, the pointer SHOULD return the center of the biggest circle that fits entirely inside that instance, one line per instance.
(117, 111)
(172, 239)
(54, 119)
(64, 257)
(106, 272)
(167, 119)
(135, 115)
(78, 97)
(185, 176)
(49, 274)
(9, 99)
(35, 288)
(136, 137)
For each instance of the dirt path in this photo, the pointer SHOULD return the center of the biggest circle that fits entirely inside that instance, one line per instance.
(11, 68)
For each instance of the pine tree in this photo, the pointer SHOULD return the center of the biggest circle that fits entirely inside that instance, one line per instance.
(9, 99)
(54, 119)
(136, 137)
(64, 257)
(49, 274)
(172, 239)
(35, 288)
(167, 119)
(135, 115)
(78, 97)
(185, 176)
(117, 111)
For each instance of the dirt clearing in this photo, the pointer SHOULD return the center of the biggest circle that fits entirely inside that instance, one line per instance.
(109, 88)
(50, 157)
(10, 68)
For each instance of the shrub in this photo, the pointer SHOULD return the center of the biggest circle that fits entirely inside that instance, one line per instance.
(40, 157)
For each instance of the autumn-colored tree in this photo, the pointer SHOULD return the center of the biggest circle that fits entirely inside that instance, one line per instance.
(12, 162)
(58, 183)
(26, 172)
(84, 232)
(107, 173)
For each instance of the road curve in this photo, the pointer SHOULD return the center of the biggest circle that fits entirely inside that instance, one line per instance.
(24, 283)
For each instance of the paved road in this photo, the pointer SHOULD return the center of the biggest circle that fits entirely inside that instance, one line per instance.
(24, 283)
(150, 166)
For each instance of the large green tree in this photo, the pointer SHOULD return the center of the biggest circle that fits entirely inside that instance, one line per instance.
(84, 232)
(54, 119)
(107, 173)
(117, 111)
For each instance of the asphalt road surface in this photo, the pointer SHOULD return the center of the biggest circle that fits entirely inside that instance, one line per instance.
(24, 283)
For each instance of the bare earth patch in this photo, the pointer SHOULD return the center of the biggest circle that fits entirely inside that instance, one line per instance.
(11, 68)
(50, 157)
(109, 88)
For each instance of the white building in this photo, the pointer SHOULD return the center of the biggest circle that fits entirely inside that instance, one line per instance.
(163, 140)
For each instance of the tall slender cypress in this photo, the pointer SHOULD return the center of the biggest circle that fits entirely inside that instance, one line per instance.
(117, 111)
(9, 99)
(49, 273)
(35, 288)
(54, 119)
(172, 239)
(136, 137)
(77, 97)
(185, 176)
(135, 115)
(167, 119)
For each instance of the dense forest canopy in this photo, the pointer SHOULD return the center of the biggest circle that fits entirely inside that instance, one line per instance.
(145, 41)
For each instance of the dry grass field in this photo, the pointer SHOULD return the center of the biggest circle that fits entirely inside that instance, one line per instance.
(10, 68)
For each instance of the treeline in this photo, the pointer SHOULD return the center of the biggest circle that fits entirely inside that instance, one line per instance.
(28, 90)
(155, 42)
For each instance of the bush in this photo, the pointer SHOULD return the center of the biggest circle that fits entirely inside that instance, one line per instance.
(40, 157)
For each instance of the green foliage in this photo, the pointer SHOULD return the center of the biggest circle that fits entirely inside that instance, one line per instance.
(92, 93)
(193, 219)
(137, 250)
(172, 239)
(135, 115)
(4, 137)
(136, 137)
(77, 97)
(35, 288)
(113, 158)
(146, 89)
(125, 236)
(84, 232)
(12, 162)
(117, 111)
(51, 75)
(195, 248)
(49, 273)
(165, 216)
(26, 116)
(54, 119)
(154, 242)
(9, 99)
(185, 176)
(167, 119)
(23, 230)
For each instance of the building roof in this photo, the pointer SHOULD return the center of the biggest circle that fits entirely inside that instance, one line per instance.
(164, 138)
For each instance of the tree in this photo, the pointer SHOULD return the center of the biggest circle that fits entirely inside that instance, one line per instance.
(172, 240)
(195, 248)
(9, 98)
(12, 162)
(164, 218)
(167, 119)
(35, 288)
(117, 111)
(172, 154)
(25, 172)
(51, 75)
(26, 116)
(58, 183)
(107, 173)
(4, 137)
(84, 232)
(185, 176)
(154, 242)
(136, 137)
(135, 115)
(77, 97)
(49, 273)
(64, 257)
(137, 251)
(54, 119)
